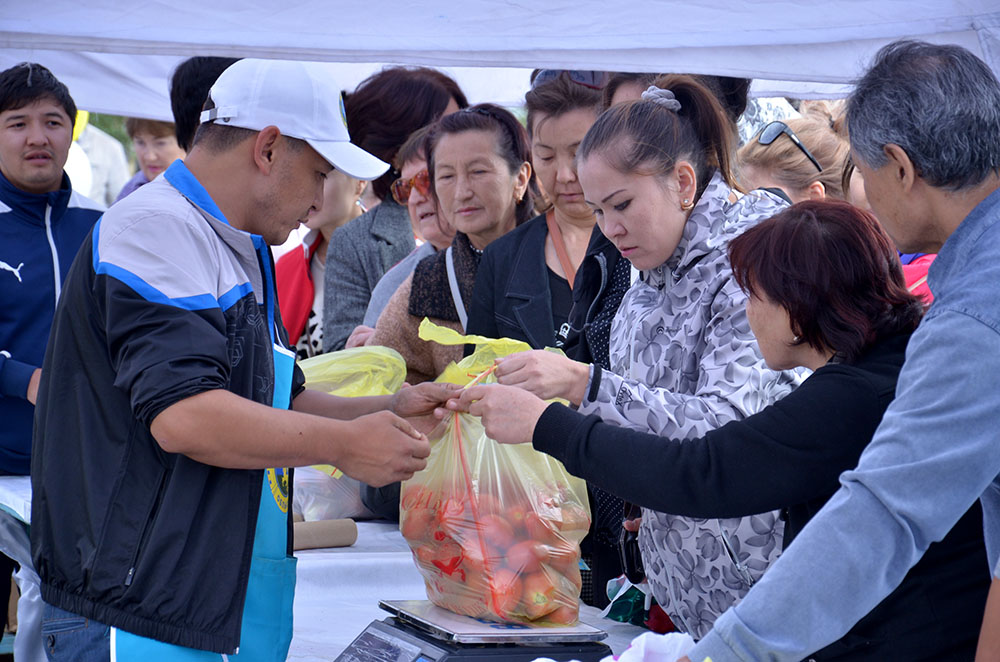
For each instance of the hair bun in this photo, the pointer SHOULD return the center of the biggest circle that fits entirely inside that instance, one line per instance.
(663, 97)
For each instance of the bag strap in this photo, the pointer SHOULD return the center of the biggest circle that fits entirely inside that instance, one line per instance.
(920, 281)
(456, 294)
(560, 246)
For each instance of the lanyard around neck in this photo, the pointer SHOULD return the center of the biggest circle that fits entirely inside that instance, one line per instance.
(560, 246)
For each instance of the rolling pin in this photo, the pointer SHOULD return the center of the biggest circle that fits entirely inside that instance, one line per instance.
(324, 533)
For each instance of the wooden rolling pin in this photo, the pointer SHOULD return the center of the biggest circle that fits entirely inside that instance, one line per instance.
(324, 533)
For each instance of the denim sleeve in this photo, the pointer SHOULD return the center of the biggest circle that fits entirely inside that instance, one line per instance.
(935, 453)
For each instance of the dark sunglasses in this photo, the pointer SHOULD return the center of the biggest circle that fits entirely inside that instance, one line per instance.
(595, 80)
(771, 132)
(401, 187)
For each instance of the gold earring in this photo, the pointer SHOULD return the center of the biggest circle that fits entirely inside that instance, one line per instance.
(686, 205)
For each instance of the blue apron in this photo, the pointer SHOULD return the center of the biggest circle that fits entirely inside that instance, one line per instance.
(266, 631)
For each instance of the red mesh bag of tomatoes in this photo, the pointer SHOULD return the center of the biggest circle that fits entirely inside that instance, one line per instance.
(495, 529)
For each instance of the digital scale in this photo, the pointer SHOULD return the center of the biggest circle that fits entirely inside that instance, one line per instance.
(418, 631)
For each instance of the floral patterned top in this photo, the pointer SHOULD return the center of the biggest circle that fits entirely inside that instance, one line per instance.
(684, 362)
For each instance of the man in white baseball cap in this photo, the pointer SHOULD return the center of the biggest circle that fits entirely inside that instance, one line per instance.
(295, 97)
(169, 395)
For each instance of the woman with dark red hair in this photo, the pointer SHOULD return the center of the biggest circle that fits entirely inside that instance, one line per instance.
(826, 292)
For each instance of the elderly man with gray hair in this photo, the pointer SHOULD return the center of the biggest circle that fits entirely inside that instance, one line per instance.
(925, 134)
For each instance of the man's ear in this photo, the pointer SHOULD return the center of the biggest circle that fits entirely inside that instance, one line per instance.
(903, 170)
(264, 147)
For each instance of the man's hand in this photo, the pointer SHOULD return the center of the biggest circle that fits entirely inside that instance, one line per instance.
(359, 336)
(387, 449)
(546, 374)
(417, 403)
(32, 393)
(509, 413)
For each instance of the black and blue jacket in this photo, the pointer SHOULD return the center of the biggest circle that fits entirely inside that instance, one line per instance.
(39, 236)
(164, 301)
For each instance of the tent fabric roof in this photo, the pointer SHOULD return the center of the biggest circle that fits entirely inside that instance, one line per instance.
(128, 48)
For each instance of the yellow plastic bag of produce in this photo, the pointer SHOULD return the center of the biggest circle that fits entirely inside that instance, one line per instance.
(495, 529)
(354, 372)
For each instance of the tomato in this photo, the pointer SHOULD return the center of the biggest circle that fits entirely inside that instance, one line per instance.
(416, 524)
(497, 533)
(516, 516)
(455, 517)
(506, 589)
(564, 615)
(539, 595)
(526, 557)
(424, 555)
(487, 504)
(572, 574)
(447, 557)
(541, 530)
(563, 555)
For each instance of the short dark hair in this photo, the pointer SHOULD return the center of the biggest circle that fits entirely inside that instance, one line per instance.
(415, 148)
(835, 271)
(646, 137)
(511, 143)
(939, 103)
(559, 96)
(27, 82)
(388, 106)
(189, 86)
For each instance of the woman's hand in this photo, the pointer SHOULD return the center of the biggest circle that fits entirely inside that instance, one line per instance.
(360, 336)
(509, 414)
(546, 374)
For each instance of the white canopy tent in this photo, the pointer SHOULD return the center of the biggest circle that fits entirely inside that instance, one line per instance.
(117, 56)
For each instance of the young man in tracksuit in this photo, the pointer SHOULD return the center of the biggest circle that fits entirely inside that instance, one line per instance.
(170, 398)
(43, 221)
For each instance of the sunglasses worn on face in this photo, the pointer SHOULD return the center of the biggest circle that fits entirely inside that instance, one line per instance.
(595, 80)
(771, 132)
(401, 187)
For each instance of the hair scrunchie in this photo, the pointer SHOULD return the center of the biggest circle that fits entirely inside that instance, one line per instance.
(662, 97)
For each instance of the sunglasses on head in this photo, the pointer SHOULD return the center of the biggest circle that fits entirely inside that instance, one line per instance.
(595, 80)
(401, 187)
(771, 132)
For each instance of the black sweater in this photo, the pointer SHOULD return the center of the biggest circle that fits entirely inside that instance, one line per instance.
(789, 456)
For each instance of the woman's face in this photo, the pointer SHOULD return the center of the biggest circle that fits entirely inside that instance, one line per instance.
(629, 91)
(773, 329)
(639, 214)
(424, 217)
(553, 153)
(155, 153)
(754, 178)
(340, 197)
(476, 191)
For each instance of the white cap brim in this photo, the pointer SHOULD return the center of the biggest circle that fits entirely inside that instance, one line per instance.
(350, 159)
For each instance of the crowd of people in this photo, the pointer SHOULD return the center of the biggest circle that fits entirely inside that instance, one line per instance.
(777, 327)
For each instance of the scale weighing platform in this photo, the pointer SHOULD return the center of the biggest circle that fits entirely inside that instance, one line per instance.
(418, 631)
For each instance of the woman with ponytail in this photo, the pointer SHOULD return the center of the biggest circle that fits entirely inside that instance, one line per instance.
(658, 174)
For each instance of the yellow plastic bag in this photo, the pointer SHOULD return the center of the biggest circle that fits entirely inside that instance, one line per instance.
(354, 372)
(495, 529)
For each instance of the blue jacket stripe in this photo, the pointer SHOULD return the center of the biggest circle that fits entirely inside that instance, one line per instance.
(151, 294)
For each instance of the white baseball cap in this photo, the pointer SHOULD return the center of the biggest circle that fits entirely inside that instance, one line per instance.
(300, 99)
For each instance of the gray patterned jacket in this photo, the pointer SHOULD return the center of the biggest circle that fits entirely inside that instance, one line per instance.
(685, 362)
